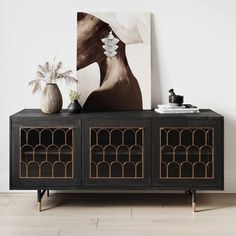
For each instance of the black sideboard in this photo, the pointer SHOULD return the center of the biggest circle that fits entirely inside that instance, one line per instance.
(110, 151)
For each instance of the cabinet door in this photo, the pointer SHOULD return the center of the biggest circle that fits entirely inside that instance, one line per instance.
(45, 154)
(116, 153)
(188, 153)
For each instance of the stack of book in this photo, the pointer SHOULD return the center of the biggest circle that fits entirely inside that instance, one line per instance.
(169, 108)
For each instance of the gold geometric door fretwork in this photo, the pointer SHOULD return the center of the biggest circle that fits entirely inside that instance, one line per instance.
(46, 153)
(116, 153)
(186, 153)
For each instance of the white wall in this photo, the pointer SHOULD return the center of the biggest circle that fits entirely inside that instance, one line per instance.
(193, 51)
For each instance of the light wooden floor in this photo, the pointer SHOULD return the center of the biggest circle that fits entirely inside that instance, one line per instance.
(118, 214)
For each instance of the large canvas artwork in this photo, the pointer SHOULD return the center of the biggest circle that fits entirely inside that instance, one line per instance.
(113, 61)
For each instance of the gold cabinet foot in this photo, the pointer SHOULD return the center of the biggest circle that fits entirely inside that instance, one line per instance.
(39, 206)
(194, 206)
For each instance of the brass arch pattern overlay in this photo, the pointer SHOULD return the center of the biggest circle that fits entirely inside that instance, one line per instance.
(46, 153)
(186, 153)
(116, 153)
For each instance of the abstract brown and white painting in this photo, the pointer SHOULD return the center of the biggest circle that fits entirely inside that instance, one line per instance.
(113, 61)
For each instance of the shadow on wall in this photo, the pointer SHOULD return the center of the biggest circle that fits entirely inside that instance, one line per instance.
(155, 75)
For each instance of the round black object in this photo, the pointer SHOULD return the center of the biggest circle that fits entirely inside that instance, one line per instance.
(178, 99)
(74, 107)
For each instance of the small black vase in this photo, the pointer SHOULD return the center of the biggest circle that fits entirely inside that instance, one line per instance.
(74, 107)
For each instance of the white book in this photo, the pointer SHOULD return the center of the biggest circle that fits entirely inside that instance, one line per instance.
(167, 108)
(176, 111)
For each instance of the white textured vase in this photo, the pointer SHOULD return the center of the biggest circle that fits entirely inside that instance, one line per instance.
(51, 100)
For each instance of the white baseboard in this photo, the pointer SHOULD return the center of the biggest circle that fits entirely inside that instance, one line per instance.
(230, 185)
(4, 184)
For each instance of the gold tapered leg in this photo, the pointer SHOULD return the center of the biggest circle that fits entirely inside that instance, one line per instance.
(39, 206)
(194, 206)
(193, 192)
(48, 193)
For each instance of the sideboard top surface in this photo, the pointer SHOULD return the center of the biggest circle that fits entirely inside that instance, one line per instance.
(37, 113)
